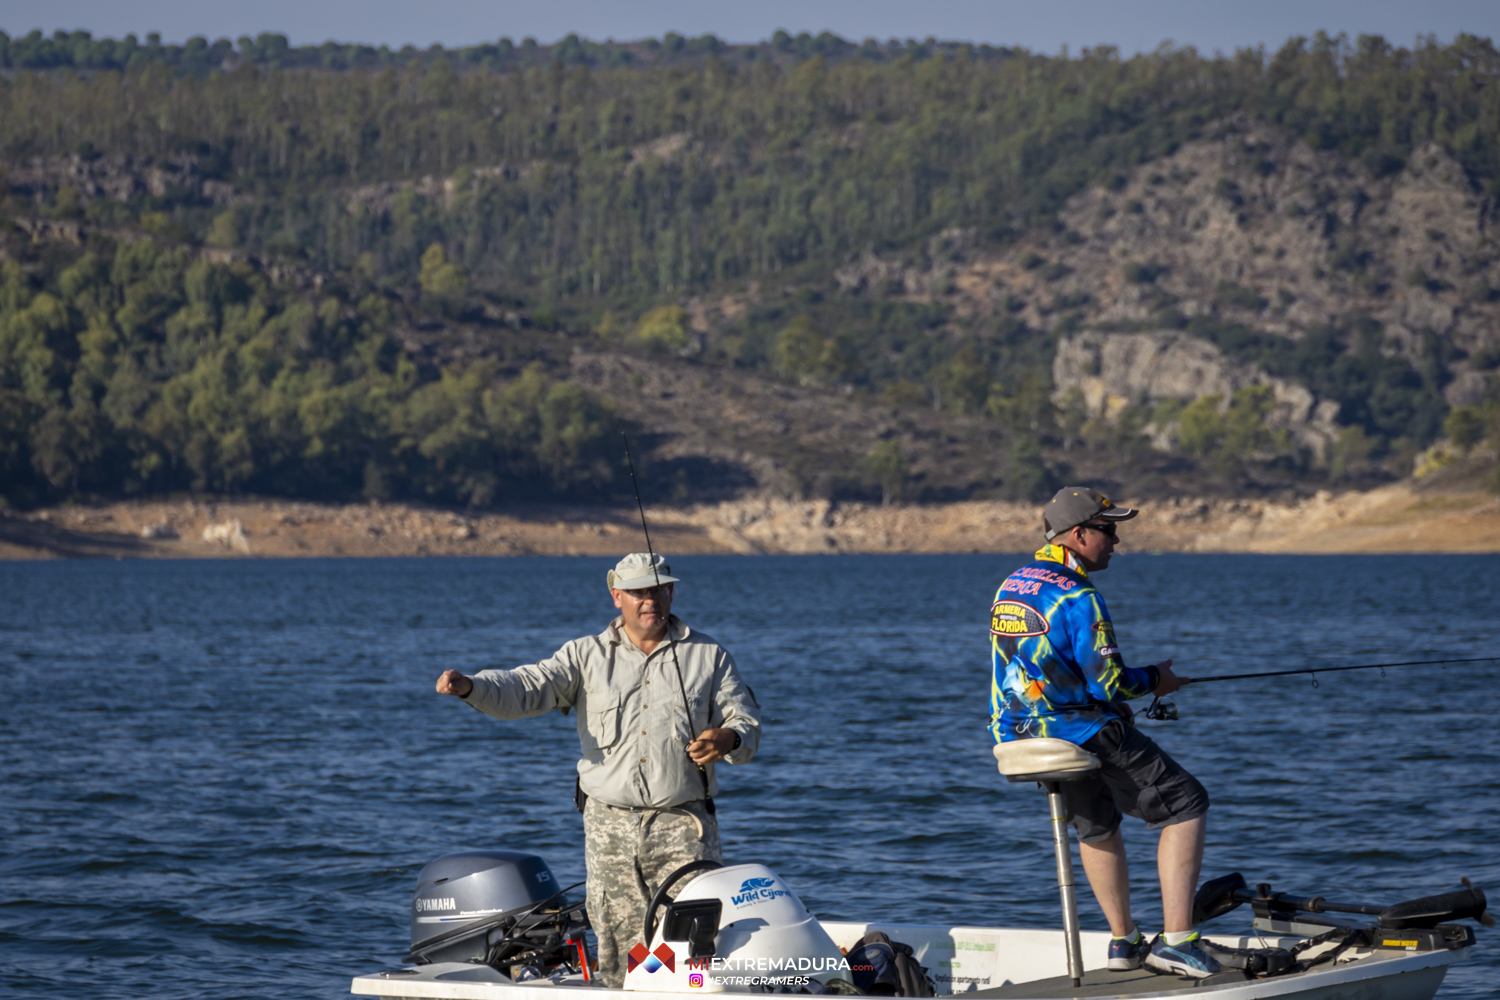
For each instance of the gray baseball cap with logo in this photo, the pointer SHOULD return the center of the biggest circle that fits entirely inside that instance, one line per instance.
(1073, 505)
(637, 572)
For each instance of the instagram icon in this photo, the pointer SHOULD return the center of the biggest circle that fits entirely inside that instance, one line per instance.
(695, 979)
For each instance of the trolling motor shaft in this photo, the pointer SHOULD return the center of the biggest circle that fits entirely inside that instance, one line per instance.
(1220, 895)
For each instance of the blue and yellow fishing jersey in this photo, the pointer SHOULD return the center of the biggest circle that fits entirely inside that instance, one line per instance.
(1056, 665)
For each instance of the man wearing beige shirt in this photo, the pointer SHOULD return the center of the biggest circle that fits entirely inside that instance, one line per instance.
(642, 688)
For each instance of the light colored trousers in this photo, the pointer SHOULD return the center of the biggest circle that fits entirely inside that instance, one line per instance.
(629, 853)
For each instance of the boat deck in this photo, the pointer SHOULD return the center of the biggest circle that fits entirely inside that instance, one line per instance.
(1101, 983)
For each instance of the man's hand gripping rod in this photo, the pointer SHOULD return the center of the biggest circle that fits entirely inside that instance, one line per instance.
(708, 800)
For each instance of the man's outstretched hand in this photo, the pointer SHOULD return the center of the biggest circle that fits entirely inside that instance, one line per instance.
(1166, 681)
(454, 683)
(711, 745)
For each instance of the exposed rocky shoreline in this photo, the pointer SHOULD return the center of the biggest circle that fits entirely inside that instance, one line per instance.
(1399, 518)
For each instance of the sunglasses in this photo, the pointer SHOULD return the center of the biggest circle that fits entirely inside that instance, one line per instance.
(1109, 529)
(645, 592)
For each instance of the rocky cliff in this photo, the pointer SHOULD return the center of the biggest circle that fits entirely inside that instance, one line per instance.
(1247, 231)
(1114, 370)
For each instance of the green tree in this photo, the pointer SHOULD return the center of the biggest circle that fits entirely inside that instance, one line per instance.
(1464, 428)
(1024, 405)
(443, 282)
(1245, 430)
(801, 352)
(662, 329)
(887, 467)
(1349, 452)
(1072, 414)
(224, 231)
(1026, 475)
(1200, 426)
(964, 382)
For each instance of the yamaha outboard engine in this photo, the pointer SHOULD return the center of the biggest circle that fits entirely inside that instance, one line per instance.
(503, 908)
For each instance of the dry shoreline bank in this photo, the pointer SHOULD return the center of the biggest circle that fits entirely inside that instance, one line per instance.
(1395, 518)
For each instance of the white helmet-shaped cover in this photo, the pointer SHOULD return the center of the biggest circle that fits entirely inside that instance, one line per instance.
(765, 933)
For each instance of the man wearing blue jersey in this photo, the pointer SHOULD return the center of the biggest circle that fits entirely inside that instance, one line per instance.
(1058, 672)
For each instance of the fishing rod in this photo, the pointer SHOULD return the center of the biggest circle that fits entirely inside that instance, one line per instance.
(1167, 712)
(708, 800)
(1328, 670)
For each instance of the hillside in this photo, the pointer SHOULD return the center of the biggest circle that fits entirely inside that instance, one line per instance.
(915, 273)
(1349, 311)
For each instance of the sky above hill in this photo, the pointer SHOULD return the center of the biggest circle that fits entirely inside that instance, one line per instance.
(1132, 25)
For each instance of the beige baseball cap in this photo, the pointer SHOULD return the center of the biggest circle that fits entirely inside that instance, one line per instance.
(1073, 505)
(640, 570)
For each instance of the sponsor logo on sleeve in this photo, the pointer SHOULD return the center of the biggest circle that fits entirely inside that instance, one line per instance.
(1016, 620)
(1107, 651)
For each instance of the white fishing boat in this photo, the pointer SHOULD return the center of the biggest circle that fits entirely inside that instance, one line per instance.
(741, 929)
(491, 925)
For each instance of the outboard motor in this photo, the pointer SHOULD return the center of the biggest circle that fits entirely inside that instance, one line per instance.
(503, 908)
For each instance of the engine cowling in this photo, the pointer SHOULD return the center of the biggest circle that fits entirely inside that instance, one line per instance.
(457, 892)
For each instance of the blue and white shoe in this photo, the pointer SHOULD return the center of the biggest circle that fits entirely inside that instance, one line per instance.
(1126, 955)
(1184, 959)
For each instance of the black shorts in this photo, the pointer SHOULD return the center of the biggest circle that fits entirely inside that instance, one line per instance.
(1135, 777)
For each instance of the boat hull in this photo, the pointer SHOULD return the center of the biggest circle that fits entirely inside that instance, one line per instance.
(987, 963)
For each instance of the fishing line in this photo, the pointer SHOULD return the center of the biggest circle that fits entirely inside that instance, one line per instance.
(1167, 712)
(708, 800)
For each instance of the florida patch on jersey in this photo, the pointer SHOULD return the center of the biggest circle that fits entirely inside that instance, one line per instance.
(1016, 620)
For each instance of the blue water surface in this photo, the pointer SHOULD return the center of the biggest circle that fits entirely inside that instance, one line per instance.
(221, 778)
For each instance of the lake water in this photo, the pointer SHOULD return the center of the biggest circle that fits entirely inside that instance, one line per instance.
(221, 778)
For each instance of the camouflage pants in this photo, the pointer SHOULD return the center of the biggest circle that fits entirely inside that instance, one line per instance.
(629, 853)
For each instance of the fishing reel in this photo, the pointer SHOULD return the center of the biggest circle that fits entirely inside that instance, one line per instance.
(1162, 710)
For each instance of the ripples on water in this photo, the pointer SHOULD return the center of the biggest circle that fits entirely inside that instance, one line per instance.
(221, 778)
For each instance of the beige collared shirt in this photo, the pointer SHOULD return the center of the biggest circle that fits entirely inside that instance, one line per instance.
(631, 724)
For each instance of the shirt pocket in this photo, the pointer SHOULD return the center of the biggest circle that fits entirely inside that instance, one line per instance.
(601, 721)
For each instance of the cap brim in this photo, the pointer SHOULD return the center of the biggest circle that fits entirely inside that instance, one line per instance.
(1118, 513)
(643, 582)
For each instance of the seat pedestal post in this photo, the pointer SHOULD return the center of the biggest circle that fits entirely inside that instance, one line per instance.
(1065, 885)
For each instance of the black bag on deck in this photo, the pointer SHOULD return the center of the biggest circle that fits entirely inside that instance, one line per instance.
(1256, 961)
(885, 968)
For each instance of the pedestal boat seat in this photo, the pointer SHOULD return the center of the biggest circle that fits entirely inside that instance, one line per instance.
(1051, 763)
